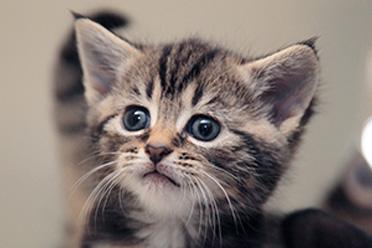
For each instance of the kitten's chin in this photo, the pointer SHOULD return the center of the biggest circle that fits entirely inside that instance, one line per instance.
(158, 180)
(160, 195)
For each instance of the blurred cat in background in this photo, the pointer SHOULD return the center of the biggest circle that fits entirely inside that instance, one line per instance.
(351, 198)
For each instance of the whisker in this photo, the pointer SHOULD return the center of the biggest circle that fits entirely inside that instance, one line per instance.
(91, 172)
(89, 203)
(216, 213)
(88, 174)
(207, 210)
(226, 196)
(201, 210)
(192, 162)
(95, 155)
(190, 187)
(224, 171)
(102, 191)
(105, 194)
(183, 195)
(115, 180)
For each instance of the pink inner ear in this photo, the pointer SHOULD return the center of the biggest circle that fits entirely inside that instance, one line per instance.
(101, 81)
(288, 80)
(290, 94)
(100, 52)
(288, 107)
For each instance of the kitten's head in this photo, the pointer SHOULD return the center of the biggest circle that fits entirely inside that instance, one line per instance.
(188, 124)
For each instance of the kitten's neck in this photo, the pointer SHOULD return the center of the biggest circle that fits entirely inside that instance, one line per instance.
(165, 233)
(136, 226)
(176, 233)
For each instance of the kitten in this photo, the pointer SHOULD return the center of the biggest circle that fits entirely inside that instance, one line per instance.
(179, 144)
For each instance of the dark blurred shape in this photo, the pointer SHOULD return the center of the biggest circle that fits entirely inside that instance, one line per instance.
(312, 228)
(351, 198)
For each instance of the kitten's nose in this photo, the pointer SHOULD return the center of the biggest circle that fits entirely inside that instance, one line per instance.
(157, 152)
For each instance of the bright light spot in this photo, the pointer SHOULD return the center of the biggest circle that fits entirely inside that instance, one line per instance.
(367, 142)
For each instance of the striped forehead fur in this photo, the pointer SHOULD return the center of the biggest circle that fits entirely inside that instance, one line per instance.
(206, 68)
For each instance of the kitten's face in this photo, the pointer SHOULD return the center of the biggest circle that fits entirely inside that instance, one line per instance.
(197, 137)
(187, 124)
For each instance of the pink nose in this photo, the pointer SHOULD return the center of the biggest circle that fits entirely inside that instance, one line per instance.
(157, 152)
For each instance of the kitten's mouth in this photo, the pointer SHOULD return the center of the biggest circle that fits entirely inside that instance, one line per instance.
(158, 177)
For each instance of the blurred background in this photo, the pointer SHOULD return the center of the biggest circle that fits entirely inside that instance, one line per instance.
(31, 205)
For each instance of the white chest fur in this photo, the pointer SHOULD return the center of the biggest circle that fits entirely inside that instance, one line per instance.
(164, 234)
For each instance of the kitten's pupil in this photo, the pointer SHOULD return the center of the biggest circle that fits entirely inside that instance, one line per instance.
(136, 118)
(205, 128)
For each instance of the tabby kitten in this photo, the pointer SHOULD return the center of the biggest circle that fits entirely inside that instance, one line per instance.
(178, 144)
(188, 139)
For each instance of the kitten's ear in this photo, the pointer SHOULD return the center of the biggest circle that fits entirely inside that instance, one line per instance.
(287, 80)
(102, 55)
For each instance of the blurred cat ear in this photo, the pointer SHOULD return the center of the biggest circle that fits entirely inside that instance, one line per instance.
(102, 55)
(287, 80)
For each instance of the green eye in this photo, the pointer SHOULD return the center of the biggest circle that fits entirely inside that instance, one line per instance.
(136, 118)
(203, 128)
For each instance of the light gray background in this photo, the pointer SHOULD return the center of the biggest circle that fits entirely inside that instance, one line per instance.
(30, 32)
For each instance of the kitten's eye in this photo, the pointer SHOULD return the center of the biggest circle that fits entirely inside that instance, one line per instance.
(136, 118)
(203, 128)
